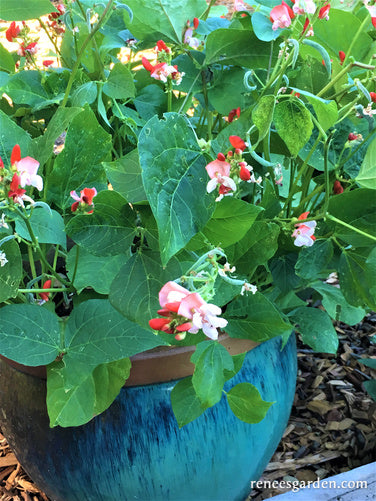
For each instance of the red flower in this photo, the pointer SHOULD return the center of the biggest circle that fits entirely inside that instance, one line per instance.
(237, 142)
(196, 22)
(324, 12)
(244, 174)
(342, 56)
(352, 136)
(161, 46)
(337, 188)
(15, 192)
(45, 295)
(233, 113)
(373, 95)
(1, 163)
(86, 198)
(48, 62)
(12, 32)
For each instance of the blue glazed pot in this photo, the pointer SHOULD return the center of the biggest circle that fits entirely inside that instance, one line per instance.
(135, 450)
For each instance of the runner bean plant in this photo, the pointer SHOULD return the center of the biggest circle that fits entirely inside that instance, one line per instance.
(173, 171)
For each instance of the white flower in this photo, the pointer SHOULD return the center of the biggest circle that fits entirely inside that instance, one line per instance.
(3, 259)
(248, 288)
(3, 224)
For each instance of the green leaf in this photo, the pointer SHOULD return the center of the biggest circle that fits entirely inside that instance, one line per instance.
(48, 227)
(255, 248)
(97, 272)
(11, 135)
(367, 174)
(237, 47)
(109, 230)
(247, 404)
(282, 269)
(211, 359)
(327, 113)
(231, 220)
(125, 176)
(42, 146)
(29, 334)
(314, 260)
(10, 272)
(26, 88)
(185, 402)
(262, 115)
(316, 329)
(341, 33)
(262, 26)
(293, 123)
(227, 91)
(120, 83)
(134, 291)
(357, 272)
(369, 362)
(22, 10)
(84, 94)
(370, 387)
(74, 402)
(253, 316)
(150, 101)
(6, 60)
(336, 305)
(153, 19)
(173, 173)
(79, 165)
(356, 208)
(270, 201)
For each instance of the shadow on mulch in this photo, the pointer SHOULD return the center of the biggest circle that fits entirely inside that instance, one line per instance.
(332, 427)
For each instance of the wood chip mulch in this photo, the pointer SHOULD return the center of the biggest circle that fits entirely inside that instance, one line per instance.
(332, 428)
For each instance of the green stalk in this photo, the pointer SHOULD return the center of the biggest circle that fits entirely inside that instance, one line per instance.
(206, 13)
(83, 48)
(350, 227)
(31, 260)
(355, 38)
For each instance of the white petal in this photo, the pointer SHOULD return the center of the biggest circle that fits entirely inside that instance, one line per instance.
(212, 184)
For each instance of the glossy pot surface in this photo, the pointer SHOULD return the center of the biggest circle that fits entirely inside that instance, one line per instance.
(135, 449)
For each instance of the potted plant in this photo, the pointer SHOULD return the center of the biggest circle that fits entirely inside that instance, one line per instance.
(214, 180)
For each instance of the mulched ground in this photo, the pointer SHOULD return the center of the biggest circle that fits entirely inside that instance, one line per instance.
(332, 428)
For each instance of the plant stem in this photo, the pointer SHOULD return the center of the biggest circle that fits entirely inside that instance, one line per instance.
(31, 260)
(82, 50)
(355, 38)
(350, 227)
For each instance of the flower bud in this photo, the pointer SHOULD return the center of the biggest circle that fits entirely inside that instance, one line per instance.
(221, 157)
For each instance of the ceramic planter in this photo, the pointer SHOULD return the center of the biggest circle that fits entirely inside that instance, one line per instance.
(135, 449)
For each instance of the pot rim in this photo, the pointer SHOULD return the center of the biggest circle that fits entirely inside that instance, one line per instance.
(159, 365)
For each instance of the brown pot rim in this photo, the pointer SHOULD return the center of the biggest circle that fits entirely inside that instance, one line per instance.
(159, 365)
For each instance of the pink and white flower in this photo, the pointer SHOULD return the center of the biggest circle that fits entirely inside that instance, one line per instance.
(202, 314)
(161, 71)
(304, 232)
(304, 7)
(27, 169)
(85, 199)
(239, 6)
(281, 16)
(190, 39)
(219, 173)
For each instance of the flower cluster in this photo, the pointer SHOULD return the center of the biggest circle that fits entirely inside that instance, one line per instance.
(84, 201)
(303, 233)
(227, 171)
(184, 312)
(281, 15)
(189, 39)
(22, 172)
(163, 70)
(27, 47)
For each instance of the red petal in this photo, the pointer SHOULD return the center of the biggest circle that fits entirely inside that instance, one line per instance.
(337, 188)
(237, 142)
(74, 206)
(221, 157)
(244, 173)
(303, 216)
(195, 23)
(16, 155)
(173, 306)
(158, 324)
(342, 56)
(146, 64)
(373, 94)
(184, 327)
